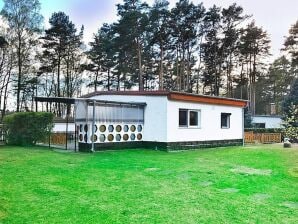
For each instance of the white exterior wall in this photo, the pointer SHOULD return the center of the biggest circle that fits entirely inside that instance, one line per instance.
(155, 117)
(161, 119)
(210, 123)
(61, 127)
(270, 122)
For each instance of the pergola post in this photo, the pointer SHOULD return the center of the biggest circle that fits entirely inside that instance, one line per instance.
(66, 134)
(93, 126)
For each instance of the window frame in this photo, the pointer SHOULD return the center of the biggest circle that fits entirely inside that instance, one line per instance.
(228, 116)
(188, 126)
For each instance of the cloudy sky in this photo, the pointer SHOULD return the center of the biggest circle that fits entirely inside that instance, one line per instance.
(275, 16)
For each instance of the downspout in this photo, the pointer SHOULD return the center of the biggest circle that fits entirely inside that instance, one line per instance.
(243, 134)
(75, 122)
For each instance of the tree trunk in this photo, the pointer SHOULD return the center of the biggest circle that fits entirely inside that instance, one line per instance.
(177, 71)
(109, 80)
(19, 73)
(96, 80)
(141, 83)
(188, 73)
(161, 68)
(58, 83)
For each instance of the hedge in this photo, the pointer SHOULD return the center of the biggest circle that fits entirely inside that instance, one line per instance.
(27, 128)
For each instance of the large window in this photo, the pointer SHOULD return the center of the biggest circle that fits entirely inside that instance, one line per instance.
(225, 120)
(189, 118)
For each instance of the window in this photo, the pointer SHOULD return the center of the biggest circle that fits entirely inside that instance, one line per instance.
(189, 118)
(225, 120)
(193, 118)
(259, 125)
(182, 118)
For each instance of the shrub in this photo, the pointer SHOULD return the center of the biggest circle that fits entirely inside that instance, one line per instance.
(27, 128)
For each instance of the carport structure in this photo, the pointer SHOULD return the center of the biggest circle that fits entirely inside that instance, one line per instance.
(100, 122)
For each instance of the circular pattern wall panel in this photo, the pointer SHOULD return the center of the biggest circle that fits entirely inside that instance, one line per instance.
(132, 137)
(110, 137)
(111, 128)
(126, 128)
(140, 128)
(139, 137)
(118, 137)
(102, 128)
(125, 137)
(132, 128)
(102, 138)
(118, 128)
(94, 138)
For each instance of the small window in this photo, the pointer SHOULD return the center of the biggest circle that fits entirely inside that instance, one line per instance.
(193, 118)
(189, 118)
(259, 125)
(225, 120)
(183, 118)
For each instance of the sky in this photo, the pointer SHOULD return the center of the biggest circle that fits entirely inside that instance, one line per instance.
(275, 16)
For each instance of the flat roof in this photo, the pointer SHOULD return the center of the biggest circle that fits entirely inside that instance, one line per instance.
(177, 96)
(268, 116)
(68, 100)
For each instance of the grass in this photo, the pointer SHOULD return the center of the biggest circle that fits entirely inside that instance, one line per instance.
(255, 184)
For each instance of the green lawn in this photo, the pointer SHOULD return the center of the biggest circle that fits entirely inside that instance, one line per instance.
(255, 184)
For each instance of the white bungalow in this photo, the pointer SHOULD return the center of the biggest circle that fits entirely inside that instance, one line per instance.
(267, 121)
(157, 120)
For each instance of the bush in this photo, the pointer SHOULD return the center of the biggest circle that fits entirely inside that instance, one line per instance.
(27, 128)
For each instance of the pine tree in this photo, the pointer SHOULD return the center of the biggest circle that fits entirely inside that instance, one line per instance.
(291, 44)
(254, 47)
(131, 35)
(62, 55)
(211, 50)
(102, 55)
(186, 18)
(159, 18)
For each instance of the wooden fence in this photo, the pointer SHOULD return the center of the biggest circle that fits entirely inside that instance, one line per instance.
(60, 138)
(251, 137)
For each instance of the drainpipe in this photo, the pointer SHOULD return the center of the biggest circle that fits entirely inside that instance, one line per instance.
(243, 134)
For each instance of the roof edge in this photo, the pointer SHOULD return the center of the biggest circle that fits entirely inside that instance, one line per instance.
(175, 95)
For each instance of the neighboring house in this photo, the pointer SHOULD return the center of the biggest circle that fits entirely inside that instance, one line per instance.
(63, 126)
(158, 119)
(267, 121)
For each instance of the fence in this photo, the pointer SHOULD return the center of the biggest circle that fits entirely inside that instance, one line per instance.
(2, 134)
(251, 137)
(59, 138)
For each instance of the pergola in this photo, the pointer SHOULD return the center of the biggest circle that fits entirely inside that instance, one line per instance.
(86, 102)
